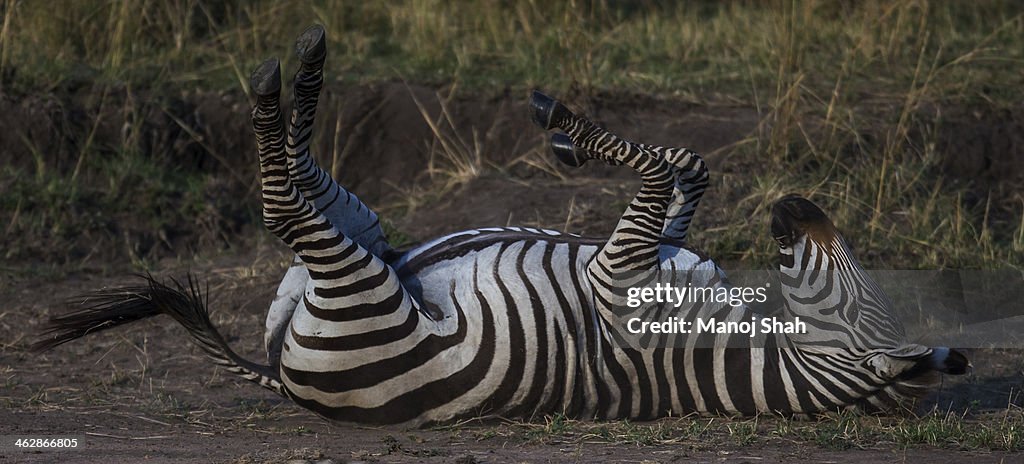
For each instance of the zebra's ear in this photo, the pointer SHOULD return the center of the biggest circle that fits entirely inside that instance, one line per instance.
(785, 221)
(794, 216)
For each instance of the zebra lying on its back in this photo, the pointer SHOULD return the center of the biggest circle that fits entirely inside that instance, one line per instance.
(516, 322)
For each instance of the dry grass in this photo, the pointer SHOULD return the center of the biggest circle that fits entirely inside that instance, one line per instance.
(852, 100)
(737, 50)
(836, 432)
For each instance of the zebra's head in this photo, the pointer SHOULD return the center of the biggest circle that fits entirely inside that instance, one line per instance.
(823, 282)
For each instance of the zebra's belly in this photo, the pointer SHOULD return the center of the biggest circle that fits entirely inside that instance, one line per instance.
(518, 337)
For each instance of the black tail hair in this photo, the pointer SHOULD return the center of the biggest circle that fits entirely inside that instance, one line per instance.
(109, 308)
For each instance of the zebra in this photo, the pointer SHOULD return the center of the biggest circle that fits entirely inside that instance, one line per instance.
(515, 322)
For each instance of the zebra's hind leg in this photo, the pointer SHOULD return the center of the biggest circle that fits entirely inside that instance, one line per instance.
(341, 207)
(631, 253)
(343, 275)
(344, 209)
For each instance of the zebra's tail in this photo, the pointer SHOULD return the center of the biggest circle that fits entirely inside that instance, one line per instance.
(109, 308)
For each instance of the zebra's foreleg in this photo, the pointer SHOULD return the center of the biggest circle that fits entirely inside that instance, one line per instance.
(688, 169)
(691, 179)
(344, 209)
(632, 250)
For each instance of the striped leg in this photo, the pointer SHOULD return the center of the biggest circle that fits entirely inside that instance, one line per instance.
(691, 179)
(688, 169)
(344, 209)
(343, 274)
(631, 252)
(629, 258)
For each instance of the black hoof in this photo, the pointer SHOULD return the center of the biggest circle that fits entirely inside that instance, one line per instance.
(311, 46)
(545, 109)
(566, 151)
(266, 79)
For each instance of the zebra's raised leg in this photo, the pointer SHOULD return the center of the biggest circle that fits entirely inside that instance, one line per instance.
(688, 169)
(630, 257)
(631, 253)
(691, 179)
(341, 207)
(346, 212)
(344, 277)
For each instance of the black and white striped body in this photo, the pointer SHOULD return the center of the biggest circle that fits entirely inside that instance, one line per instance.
(518, 343)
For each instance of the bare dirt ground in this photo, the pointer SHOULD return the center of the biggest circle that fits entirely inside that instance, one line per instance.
(143, 393)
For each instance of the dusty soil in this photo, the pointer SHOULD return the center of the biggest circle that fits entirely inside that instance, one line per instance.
(144, 393)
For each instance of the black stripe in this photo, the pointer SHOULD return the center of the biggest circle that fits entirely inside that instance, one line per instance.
(360, 340)
(410, 405)
(371, 374)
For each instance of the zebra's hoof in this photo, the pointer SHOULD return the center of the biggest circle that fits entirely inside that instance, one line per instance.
(266, 79)
(311, 46)
(566, 151)
(545, 109)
